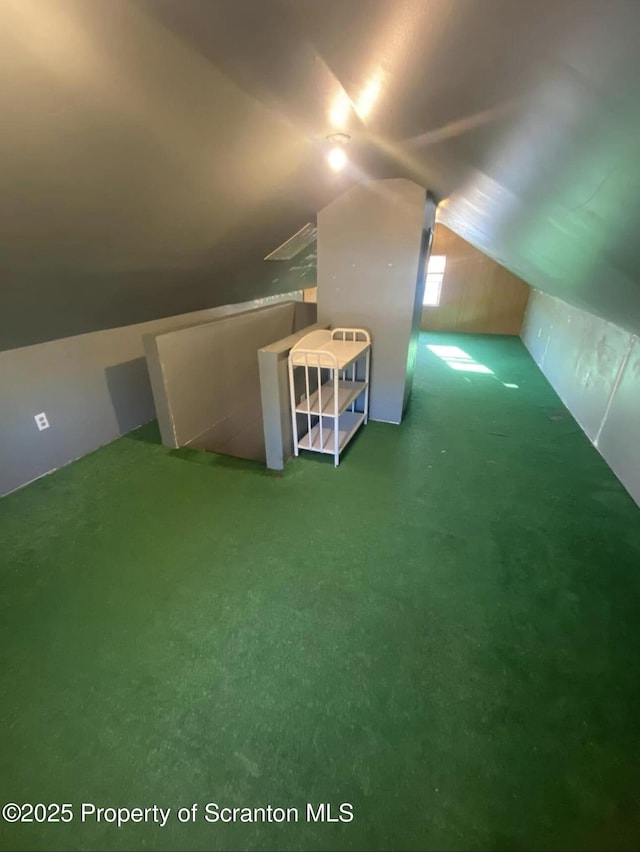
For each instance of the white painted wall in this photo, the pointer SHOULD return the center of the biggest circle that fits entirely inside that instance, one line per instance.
(594, 367)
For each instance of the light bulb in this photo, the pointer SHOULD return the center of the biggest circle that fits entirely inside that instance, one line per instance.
(337, 158)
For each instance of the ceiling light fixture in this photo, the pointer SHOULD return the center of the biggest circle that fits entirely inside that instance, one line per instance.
(337, 157)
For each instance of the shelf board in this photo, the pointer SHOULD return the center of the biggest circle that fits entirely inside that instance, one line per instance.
(348, 424)
(347, 393)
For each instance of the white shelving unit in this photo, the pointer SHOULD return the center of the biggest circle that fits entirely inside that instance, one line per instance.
(336, 367)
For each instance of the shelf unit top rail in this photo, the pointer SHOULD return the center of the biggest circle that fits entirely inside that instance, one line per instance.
(320, 355)
(338, 354)
(341, 333)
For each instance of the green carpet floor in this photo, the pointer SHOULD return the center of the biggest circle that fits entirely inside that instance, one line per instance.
(443, 632)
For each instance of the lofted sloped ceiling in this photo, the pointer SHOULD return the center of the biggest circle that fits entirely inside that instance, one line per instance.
(154, 151)
(137, 179)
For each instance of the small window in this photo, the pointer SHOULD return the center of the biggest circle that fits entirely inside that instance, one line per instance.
(433, 282)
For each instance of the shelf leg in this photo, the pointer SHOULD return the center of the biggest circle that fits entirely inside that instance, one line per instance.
(294, 419)
(366, 393)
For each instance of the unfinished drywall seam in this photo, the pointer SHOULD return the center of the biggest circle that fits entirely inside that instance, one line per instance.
(546, 346)
(614, 390)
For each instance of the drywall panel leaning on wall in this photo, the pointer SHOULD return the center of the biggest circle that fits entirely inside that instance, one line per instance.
(205, 380)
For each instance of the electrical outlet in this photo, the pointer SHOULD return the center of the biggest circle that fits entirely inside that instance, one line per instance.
(41, 421)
